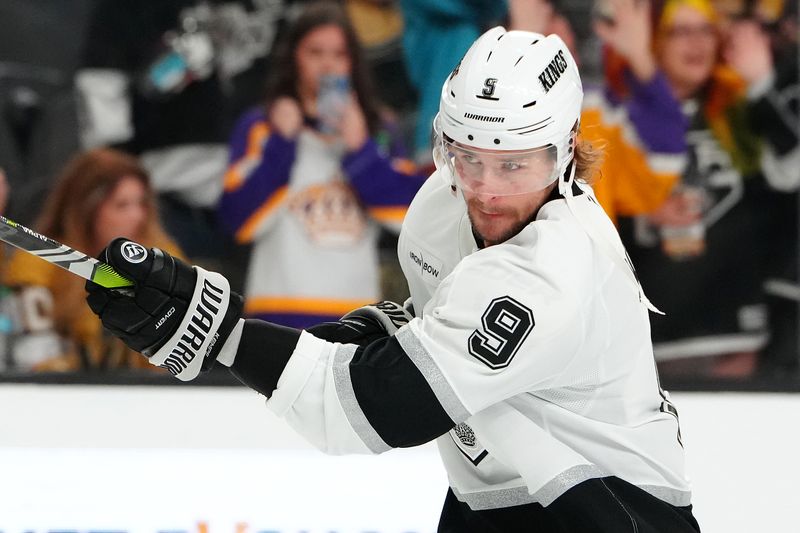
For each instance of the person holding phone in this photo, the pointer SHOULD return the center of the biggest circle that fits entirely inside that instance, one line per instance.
(313, 174)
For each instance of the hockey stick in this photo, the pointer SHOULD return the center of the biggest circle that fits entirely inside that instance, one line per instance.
(61, 255)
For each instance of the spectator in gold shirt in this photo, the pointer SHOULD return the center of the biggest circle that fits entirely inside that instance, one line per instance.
(101, 194)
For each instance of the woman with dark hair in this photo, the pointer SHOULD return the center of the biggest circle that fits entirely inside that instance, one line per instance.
(101, 194)
(292, 77)
(312, 173)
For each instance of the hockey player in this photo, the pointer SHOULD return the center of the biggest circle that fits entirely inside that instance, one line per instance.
(529, 359)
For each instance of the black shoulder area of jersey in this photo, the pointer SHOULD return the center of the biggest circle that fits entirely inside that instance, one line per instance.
(395, 397)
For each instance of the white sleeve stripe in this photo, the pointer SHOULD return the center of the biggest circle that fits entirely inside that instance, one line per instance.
(295, 375)
(347, 398)
(433, 375)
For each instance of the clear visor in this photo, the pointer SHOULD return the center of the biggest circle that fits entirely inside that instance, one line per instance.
(498, 172)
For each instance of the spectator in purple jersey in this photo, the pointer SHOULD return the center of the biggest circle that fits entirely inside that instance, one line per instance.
(313, 173)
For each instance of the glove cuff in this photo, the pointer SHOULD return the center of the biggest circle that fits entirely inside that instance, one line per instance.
(195, 338)
(227, 353)
(389, 315)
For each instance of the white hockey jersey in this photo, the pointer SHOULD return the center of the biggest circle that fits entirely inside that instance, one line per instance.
(579, 398)
(537, 349)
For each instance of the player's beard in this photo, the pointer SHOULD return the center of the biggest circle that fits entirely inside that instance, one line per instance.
(487, 232)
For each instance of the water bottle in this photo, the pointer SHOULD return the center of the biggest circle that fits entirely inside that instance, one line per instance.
(334, 93)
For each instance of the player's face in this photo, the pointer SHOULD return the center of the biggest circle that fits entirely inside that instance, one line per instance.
(496, 219)
(687, 49)
(323, 51)
(502, 172)
(123, 213)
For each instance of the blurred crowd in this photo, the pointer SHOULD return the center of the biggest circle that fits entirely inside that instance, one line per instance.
(280, 142)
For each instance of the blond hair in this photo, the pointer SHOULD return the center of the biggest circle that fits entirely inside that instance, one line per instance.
(588, 159)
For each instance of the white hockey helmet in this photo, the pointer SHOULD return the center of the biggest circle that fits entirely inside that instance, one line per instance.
(507, 114)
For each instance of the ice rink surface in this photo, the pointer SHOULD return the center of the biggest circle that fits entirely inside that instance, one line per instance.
(215, 460)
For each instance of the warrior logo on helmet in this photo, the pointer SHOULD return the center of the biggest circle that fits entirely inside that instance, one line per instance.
(486, 118)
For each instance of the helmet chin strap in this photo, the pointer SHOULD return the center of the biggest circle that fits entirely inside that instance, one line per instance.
(453, 187)
(566, 180)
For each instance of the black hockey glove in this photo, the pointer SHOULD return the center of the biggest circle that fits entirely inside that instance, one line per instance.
(365, 324)
(177, 315)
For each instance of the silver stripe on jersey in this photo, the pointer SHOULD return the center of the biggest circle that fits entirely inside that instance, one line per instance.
(430, 371)
(495, 499)
(678, 498)
(565, 481)
(347, 398)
